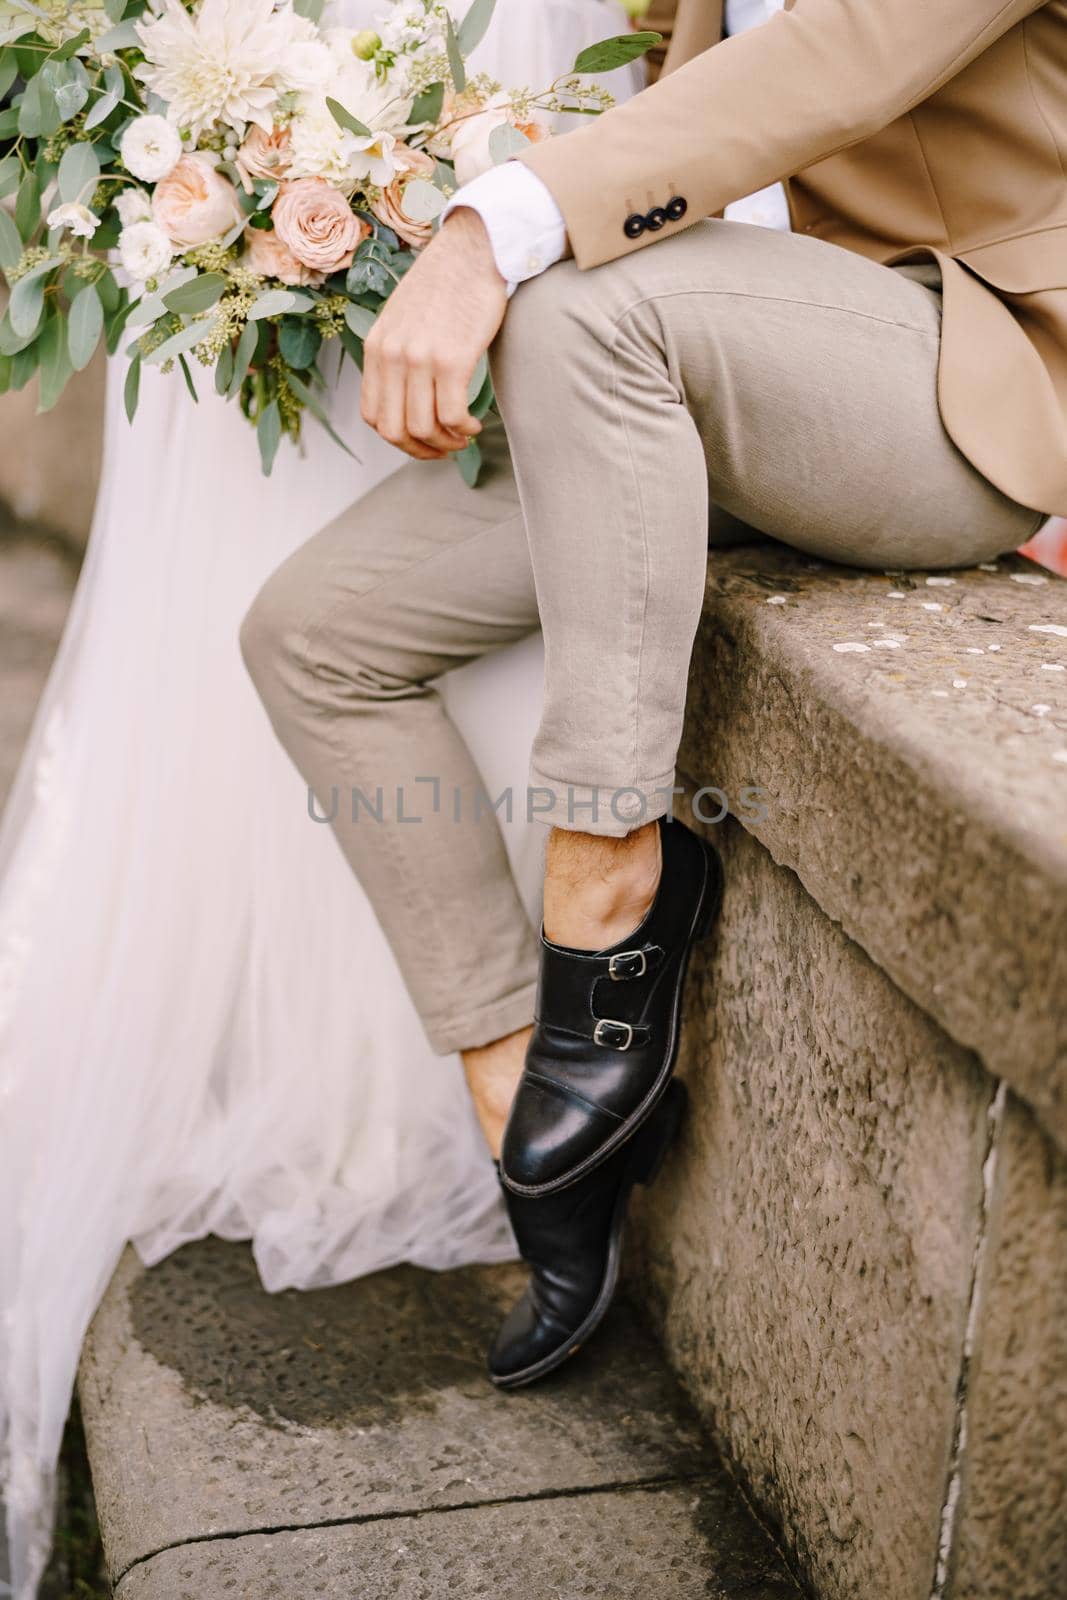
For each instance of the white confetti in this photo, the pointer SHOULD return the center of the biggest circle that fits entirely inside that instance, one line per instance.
(886, 643)
(1060, 755)
(993, 647)
(777, 599)
(940, 583)
(988, 566)
(1027, 577)
(959, 683)
(1052, 666)
(932, 605)
(940, 694)
(896, 594)
(851, 647)
(975, 650)
(1041, 710)
(876, 624)
(1049, 627)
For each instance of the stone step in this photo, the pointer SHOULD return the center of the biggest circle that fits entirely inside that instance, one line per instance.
(858, 1257)
(347, 1441)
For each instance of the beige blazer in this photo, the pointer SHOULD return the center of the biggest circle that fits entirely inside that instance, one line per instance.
(905, 128)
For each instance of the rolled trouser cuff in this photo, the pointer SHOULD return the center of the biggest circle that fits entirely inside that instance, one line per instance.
(609, 810)
(469, 1030)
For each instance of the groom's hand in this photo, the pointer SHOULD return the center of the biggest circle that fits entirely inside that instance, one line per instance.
(420, 355)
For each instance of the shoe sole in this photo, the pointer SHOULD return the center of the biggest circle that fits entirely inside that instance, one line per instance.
(704, 918)
(647, 1166)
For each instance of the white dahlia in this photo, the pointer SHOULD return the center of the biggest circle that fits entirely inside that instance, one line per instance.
(228, 61)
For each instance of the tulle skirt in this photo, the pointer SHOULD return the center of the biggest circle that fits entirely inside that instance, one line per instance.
(201, 1026)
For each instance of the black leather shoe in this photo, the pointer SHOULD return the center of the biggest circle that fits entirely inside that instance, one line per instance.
(572, 1243)
(605, 1035)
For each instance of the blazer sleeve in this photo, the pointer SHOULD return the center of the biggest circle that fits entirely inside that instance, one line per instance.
(757, 108)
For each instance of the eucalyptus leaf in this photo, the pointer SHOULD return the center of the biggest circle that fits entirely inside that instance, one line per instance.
(122, 37)
(102, 109)
(78, 173)
(27, 303)
(266, 194)
(11, 343)
(469, 462)
(299, 342)
(617, 52)
(28, 207)
(199, 294)
(9, 71)
(187, 375)
(10, 241)
(475, 25)
(312, 9)
(455, 58)
(38, 114)
(9, 122)
(481, 372)
(422, 201)
(345, 119)
(427, 106)
(116, 10)
(132, 388)
(5, 374)
(360, 320)
(224, 370)
(272, 303)
(72, 46)
(23, 366)
(10, 175)
(181, 341)
(84, 327)
(55, 368)
(269, 434)
(313, 404)
(506, 141)
(71, 96)
(242, 358)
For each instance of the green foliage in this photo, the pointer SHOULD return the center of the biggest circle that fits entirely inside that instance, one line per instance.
(269, 434)
(345, 119)
(455, 57)
(612, 53)
(85, 325)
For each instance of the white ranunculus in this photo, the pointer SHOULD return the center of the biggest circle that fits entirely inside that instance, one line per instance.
(145, 250)
(77, 219)
(227, 61)
(133, 205)
(150, 148)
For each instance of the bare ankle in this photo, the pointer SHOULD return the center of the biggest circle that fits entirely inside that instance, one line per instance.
(493, 1072)
(599, 890)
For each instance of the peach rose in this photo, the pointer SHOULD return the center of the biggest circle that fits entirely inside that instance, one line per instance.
(317, 223)
(470, 141)
(194, 203)
(390, 206)
(268, 257)
(263, 155)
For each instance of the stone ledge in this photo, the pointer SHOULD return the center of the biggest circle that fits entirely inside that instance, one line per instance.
(266, 1444)
(928, 818)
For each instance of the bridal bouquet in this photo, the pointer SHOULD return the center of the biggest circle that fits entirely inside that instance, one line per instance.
(232, 183)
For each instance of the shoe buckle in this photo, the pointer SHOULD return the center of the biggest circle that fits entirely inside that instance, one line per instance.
(607, 1032)
(628, 964)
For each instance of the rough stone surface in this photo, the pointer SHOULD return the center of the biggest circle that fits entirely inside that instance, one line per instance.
(50, 466)
(214, 1410)
(920, 792)
(810, 1250)
(1011, 1523)
(679, 1542)
(36, 579)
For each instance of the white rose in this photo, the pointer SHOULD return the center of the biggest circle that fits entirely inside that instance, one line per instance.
(150, 148)
(145, 250)
(133, 205)
(77, 219)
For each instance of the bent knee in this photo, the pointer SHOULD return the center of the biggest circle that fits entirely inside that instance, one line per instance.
(271, 636)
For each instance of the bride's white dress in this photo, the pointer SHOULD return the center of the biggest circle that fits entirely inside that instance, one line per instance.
(201, 1026)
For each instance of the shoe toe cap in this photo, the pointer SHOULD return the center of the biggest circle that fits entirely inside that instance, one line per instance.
(548, 1135)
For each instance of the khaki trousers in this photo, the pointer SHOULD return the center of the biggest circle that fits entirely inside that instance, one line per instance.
(789, 382)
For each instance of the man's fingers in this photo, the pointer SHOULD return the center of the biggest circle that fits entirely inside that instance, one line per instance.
(453, 414)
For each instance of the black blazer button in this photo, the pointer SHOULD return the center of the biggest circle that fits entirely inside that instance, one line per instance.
(677, 208)
(656, 219)
(634, 226)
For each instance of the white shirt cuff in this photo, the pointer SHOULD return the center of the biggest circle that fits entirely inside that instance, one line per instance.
(525, 225)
